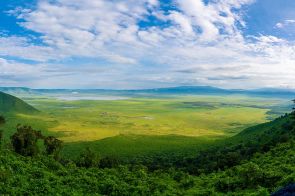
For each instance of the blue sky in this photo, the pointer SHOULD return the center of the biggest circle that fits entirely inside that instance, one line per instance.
(134, 44)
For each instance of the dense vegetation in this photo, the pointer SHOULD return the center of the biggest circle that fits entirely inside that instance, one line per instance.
(258, 164)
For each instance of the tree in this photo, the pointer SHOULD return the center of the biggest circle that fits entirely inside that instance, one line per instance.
(109, 162)
(88, 159)
(53, 146)
(2, 120)
(24, 141)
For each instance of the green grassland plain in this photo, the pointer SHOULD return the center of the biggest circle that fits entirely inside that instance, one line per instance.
(145, 125)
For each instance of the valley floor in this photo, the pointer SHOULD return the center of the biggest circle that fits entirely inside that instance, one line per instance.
(133, 126)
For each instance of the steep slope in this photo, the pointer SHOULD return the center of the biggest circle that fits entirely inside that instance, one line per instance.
(11, 104)
(258, 139)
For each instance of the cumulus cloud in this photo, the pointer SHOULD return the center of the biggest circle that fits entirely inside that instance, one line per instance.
(190, 42)
(213, 19)
(94, 28)
(21, 47)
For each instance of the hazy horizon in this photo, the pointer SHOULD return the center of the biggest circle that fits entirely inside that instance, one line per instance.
(125, 89)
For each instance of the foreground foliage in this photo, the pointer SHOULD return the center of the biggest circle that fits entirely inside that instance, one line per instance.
(43, 175)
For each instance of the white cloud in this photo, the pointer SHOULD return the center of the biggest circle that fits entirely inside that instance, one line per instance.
(13, 68)
(269, 39)
(93, 28)
(197, 43)
(22, 47)
(284, 24)
(183, 21)
(13, 73)
(279, 25)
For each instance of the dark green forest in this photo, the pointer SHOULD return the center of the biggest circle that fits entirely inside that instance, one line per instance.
(258, 161)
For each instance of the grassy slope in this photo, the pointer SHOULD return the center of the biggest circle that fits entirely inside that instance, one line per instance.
(11, 104)
(128, 146)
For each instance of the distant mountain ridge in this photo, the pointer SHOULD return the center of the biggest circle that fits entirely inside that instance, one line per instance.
(11, 104)
(193, 90)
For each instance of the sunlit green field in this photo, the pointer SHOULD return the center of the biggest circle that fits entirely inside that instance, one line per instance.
(147, 124)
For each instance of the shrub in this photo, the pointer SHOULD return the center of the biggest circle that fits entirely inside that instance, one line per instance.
(53, 146)
(24, 141)
(88, 159)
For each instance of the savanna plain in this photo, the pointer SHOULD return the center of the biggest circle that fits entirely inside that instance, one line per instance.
(135, 126)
